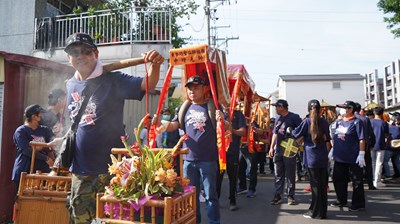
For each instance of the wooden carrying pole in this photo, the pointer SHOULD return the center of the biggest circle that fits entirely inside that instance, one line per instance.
(122, 64)
(36, 146)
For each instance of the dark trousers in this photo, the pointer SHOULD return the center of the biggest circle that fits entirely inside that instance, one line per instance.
(261, 161)
(342, 173)
(232, 165)
(285, 171)
(395, 168)
(368, 167)
(318, 182)
(299, 164)
(253, 169)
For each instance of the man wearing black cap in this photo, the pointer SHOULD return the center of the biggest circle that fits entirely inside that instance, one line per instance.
(284, 167)
(201, 163)
(31, 131)
(101, 124)
(348, 153)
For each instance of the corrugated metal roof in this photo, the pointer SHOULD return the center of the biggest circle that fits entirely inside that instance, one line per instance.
(318, 77)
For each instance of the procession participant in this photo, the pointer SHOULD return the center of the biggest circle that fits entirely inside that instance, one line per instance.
(243, 166)
(270, 133)
(285, 168)
(391, 152)
(261, 149)
(168, 139)
(315, 131)
(394, 157)
(53, 116)
(381, 131)
(348, 153)
(101, 124)
(31, 130)
(232, 158)
(200, 165)
(369, 137)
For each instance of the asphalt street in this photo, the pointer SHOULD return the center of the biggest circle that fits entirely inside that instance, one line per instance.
(383, 206)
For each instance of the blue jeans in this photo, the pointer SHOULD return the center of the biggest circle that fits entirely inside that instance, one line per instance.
(204, 173)
(395, 155)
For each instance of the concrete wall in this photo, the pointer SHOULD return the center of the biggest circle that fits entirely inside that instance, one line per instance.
(299, 93)
(17, 24)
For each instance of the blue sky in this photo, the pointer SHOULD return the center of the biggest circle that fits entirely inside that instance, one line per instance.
(283, 37)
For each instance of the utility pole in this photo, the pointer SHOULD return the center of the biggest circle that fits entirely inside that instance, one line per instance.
(210, 15)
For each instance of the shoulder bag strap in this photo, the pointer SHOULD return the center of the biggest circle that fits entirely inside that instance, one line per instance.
(85, 101)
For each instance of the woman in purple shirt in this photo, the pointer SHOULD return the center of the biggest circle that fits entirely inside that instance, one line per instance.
(315, 131)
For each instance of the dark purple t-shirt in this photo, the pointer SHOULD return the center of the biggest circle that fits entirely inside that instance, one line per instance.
(381, 130)
(22, 136)
(202, 137)
(315, 155)
(291, 120)
(394, 133)
(346, 140)
(238, 122)
(101, 125)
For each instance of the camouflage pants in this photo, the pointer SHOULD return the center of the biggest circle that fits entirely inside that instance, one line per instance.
(82, 200)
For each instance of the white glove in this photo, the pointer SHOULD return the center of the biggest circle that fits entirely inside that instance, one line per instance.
(330, 155)
(360, 159)
(164, 125)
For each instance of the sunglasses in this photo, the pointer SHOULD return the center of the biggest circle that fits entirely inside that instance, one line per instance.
(85, 51)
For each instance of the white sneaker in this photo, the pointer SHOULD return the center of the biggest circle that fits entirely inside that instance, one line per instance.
(379, 185)
(201, 197)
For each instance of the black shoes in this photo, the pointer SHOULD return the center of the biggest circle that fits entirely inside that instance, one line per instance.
(232, 206)
(352, 209)
(291, 200)
(276, 200)
(338, 204)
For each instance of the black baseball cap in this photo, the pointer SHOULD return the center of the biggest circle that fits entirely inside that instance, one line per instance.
(347, 104)
(396, 114)
(79, 39)
(314, 103)
(33, 109)
(281, 103)
(195, 80)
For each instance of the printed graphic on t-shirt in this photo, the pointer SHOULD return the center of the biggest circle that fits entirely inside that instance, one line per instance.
(282, 129)
(90, 111)
(341, 132)
(197, 119)
(38, 138)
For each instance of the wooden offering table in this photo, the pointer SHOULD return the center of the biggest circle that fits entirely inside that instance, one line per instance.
(179, 208)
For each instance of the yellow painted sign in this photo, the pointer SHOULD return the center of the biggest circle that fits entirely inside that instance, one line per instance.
(190, 55)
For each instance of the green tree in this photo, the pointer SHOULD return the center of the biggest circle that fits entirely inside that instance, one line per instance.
(179, 9)
(174, 103)
(391, 8)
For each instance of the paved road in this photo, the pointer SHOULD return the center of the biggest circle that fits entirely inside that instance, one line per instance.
(383, 206)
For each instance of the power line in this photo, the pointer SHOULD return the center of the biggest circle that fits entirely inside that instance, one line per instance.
(306, 11)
